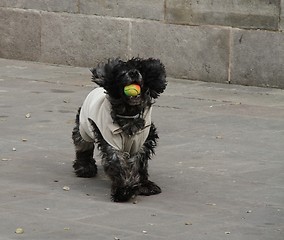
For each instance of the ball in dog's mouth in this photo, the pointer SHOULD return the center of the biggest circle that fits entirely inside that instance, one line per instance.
(132, 91)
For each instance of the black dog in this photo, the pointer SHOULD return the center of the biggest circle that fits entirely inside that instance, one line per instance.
(120, 125)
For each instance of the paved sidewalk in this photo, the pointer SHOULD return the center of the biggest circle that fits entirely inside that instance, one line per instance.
(220, 163)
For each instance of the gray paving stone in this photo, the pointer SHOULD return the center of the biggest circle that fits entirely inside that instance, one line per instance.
(39, 31)
(45, 5)
(20, 34)
(147, 9)
(82, 40)
(258, 58)
(282, 16)
(256, 14)
(219, 162)
(188, 52)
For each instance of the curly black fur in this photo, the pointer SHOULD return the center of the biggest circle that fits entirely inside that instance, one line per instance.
(128, 172)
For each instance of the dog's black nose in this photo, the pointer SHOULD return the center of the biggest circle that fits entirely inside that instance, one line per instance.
(134, 74)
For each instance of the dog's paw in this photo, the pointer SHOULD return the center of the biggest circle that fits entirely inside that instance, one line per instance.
(87, 170)
(148, 188)
(123, 194)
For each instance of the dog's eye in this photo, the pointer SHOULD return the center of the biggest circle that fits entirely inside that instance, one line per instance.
(122, 74)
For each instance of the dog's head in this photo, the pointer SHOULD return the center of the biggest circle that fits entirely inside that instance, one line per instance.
(114, 75)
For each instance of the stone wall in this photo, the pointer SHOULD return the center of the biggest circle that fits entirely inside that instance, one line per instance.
(236, 41)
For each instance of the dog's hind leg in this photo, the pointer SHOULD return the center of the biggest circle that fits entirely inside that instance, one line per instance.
(84, 164)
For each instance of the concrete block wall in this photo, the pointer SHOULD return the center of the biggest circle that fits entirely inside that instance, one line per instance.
(236, 41)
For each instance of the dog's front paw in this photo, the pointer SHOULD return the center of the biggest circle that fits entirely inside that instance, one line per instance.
(123, 194)
(86, 169)
(148, 188)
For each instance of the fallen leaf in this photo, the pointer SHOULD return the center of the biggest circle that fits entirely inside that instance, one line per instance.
(211, 204)
(66, 188)
(188, 223)
(19, 231)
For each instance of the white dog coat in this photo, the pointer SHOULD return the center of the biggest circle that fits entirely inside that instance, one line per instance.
(97, 108)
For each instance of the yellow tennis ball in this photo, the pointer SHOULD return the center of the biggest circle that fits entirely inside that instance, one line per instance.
(132, 90)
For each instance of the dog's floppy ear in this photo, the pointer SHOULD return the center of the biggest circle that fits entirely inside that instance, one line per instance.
(154, 75)
(103, 71)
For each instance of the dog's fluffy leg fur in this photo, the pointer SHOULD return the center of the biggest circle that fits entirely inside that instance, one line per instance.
(117, 165)
(85, 164)
(123, 174)
(129, 175)
(147, 187)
